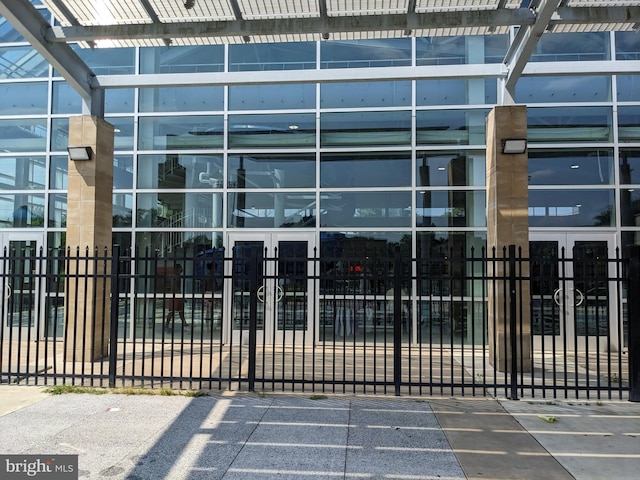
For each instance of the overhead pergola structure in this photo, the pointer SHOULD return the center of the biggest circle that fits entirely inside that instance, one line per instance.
(127, 23)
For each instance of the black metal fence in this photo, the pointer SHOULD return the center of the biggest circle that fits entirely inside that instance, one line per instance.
(496, 322)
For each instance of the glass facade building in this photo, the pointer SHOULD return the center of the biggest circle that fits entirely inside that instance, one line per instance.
(352, 165)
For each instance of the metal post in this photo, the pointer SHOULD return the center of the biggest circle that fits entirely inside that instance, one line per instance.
(513, 337)
(633, 314)
(397, 321)
(113, 320)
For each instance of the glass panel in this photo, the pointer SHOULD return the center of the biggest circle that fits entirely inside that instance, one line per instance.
(445, 127)
(177, 244)
(179, 171)
(567, 47)
(450, 168)
(629, 166)
(123, 132)
(170, 133)
(253, 209)
(179, 210)
(569, 124)
(572, 167)
(281, 170)
(181, 99)
(21, 210)
(456, 92)
(123, 171)
(57, 210)
(629, 124)
(365, 128)
(628, 88)
(122, 210)
(108, 61)
(272, 56)
(247, 256)
(8, 34)
(277, 131)
(22, 173)
(365, 94)
(460, 50)
(65, 99)
(206, 58)
(291, 291)
(21, 305)
(23, 98)
(627, 46)
(365, 209)
(630, 207)
(456, 208)
(390, 52)
(119, 100)
(58, 172)
(345, 170)
(571, 208)
(545, 314)
(590, 270)
(584, 88)
(272, 97)
(23, 135)
(59, 134)
(22, 62)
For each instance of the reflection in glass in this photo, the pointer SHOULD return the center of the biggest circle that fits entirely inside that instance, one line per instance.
(272, 97)
(365, 94)
(365, 128)
(628, 88)
(254, 209)
(22, 62)
(545, 315)
(23, 98)
(388, 52)
(590, 270)
(365, 209)
(123, 131)
(180, 59)
(569, 124)
(280, 56)
(628, 124)
(22, 173)
(627, 46)
(450, 168)
(585, 88)
(571, 167)
(459, 127)
(571, 208)
(281, 170)
(629, 166)
(119, 100)
(456, 208)
(630, 207)
(108, 61)
(461, 50)
(65, 99)
(179, 210)
(344, 170)
(170, 133)
(122, 210)
(57, 210)
(456, 92)
(566, 47)
(58, 172)
(23, 135)
(181, 99)
(272, 131)
(59, 134)
(180, 171)
(21, 210)
(122, 171)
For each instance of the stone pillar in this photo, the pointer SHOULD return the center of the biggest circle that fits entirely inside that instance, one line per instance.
(89, 225)
(507, 224)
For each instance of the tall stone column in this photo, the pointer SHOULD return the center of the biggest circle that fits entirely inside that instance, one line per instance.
(507, 224)
(89, 226)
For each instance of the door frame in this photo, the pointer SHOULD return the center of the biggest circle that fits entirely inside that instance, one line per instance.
(270, 334)
(30, 331)
(568, 336)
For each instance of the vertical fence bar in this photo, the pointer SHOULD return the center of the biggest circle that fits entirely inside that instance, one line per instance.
(633, 315)
(513, 338)
(113, 327)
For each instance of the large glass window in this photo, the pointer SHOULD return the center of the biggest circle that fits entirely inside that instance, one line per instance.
(477, 91)
(22, 62)
(376, 169)
(179, 210)
(272, 56)
(58, 172)
(181, 99)
(571, 167)
(461, 50)
(628, 88)
(178, 59)
(365, 209)
(65, 99)
(272, 131)
(119, 100)
(22, 173)
(365, 94)
(23, 135)
(23, 98)
(57, 210)
(390, 52)
(457, 208)
(21, 210)
(272, 97)
(585, 88)
(458, 127)
(280, 170)
(569, 124)
(171, 133)
(122, 210)
(629, 166)
(122, 171)
(627, 46)
(629, 124)
(179, 171)
(571, 208)
(572, 47)
(281, 209)
(123, 132)
(108, 61)
(450, 168)
(365, 129)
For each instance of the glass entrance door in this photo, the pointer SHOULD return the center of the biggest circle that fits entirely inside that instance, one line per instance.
(20, 282)
(275, 266)
(572, 297)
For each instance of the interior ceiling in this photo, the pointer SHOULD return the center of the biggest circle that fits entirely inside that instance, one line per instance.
(120, 23)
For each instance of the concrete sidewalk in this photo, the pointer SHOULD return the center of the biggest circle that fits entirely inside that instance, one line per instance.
(252, 436)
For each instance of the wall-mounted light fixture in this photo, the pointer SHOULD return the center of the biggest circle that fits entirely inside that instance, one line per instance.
(78, 154)
(514, 145)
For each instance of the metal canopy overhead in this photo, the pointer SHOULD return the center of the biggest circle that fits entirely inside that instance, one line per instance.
(127, 23)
